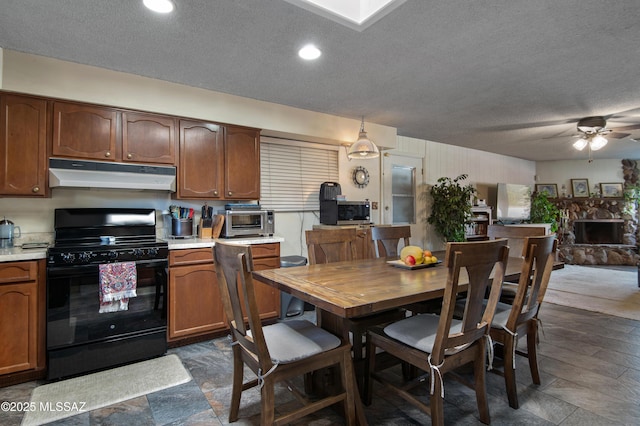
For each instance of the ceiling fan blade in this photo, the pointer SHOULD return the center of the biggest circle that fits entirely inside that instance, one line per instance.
(623, 128)
(618, 135)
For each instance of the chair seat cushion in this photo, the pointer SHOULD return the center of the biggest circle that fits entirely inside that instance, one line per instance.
(293, 340)
(503, 310)
(419, 331)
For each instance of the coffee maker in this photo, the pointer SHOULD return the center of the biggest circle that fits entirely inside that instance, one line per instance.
(8, 231)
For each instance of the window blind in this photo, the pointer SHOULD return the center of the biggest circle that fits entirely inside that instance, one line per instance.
(291, 173)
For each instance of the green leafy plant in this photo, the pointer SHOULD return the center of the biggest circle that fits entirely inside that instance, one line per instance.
(451, 209)
(543, 210)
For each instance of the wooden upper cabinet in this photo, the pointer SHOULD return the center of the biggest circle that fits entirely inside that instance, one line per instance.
(84, 131)
(200, 169)
(242, 163)
(148, 138)
(93, 132)
(23, 146)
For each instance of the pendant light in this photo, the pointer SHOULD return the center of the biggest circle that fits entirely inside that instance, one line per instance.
(364, 147)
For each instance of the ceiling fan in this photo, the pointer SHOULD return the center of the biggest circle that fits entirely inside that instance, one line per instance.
(592, 132)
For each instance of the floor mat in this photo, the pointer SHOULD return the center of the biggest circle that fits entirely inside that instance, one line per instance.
(67, 398)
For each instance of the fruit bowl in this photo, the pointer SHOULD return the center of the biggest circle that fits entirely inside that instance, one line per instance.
(401, 264)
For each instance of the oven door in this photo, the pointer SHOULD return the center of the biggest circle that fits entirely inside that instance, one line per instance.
(73, 305)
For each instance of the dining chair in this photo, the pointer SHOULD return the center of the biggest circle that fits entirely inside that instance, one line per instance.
(338, 245)
(516, 236)
(386, 239)
(521, 317)
(439, 344)
(278, 352)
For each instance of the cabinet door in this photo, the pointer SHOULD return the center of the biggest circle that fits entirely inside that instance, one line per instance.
(18, 327)
(84, 131)
(201, 160)
(23, 144)
(242, 164)
(267, 297)
(148, 138)
(194, 301)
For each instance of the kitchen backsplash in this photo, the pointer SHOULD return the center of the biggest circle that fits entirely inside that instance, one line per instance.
(35, 216)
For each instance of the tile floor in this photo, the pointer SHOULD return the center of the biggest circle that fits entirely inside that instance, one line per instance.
(590, 366)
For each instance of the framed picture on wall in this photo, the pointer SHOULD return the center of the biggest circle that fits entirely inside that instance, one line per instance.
(611, 189)
(580, 188)
(550, 188)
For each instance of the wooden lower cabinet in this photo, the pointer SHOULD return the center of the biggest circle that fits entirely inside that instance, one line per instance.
(194, 298)
(195, 307)
(22, 299)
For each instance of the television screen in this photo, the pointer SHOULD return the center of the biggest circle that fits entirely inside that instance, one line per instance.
(513, 203)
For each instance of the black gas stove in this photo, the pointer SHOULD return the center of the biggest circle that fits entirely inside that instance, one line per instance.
(83, 335)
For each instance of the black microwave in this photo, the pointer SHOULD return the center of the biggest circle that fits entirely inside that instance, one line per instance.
(335, 212)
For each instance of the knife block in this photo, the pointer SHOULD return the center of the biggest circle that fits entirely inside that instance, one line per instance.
(204, 228)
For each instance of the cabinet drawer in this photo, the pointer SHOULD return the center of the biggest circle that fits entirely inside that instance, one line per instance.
(13, 272)
(266, 263)
(190, 256)
(265, 250)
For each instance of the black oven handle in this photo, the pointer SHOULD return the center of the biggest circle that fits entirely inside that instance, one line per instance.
(79, 269)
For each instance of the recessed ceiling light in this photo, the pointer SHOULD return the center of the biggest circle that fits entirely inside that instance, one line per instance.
(160, 6)
(309, 52)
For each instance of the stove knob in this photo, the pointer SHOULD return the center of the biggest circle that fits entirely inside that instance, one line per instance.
(138, 252)
(68, 257)
(85, 256)
(152, 251)
(113, 254)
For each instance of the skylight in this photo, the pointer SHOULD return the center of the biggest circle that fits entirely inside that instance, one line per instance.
(356, 14)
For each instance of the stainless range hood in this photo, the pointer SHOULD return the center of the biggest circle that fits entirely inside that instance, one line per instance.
(95, 174)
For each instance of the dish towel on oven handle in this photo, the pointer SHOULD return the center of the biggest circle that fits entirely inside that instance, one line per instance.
(118, 283)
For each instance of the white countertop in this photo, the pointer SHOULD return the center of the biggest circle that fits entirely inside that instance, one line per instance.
(18, 253)
(188, 243)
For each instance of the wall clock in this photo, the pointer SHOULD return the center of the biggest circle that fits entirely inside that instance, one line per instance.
(360, 177)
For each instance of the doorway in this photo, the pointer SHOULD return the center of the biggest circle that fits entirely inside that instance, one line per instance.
(402, 181)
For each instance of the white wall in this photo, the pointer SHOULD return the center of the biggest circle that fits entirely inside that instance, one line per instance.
(442, 160)
(561, 172)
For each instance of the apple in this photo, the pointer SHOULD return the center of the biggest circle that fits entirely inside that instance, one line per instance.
(410, 260)
(427, 253)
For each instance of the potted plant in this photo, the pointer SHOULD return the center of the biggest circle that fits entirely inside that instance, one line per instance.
(543, 210)
(451, 208)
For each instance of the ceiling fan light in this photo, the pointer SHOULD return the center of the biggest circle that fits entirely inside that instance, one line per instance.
(598, 142)
(364, 147)
(580, 144)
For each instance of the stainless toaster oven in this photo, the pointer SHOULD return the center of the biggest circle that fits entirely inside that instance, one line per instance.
(240, 223)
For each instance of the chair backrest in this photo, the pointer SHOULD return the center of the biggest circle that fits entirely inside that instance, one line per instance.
(331, 245)
(478, 260)
(534, 279)
(386, 239)
(234, 264)
(515, 235)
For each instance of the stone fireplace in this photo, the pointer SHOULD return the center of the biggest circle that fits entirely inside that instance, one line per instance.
(598, 231)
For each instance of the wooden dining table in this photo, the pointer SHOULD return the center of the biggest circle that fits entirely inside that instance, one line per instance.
(364, 287)
(353, 289)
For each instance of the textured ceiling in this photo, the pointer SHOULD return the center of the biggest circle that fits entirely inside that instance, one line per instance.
(505, 76)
